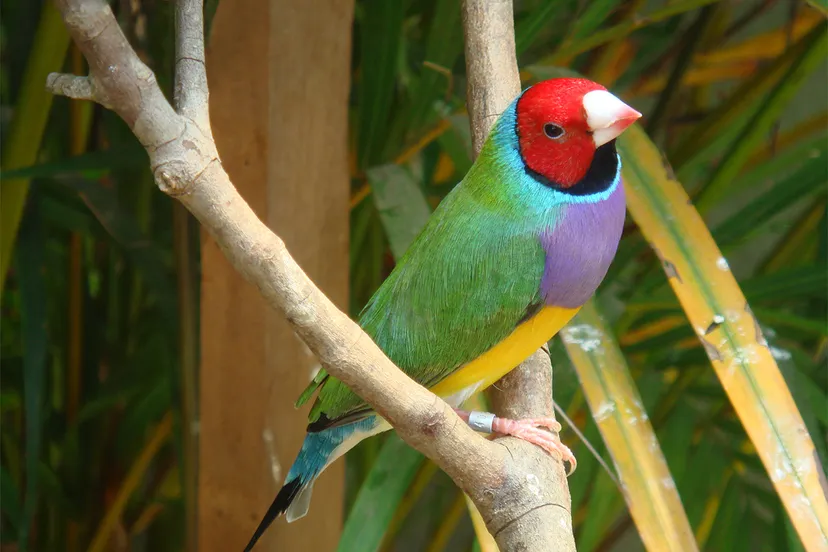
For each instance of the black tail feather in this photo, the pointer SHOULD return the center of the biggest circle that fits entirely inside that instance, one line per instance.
(280, 504)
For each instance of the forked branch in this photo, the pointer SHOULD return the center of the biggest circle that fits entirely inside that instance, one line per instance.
(186, 166)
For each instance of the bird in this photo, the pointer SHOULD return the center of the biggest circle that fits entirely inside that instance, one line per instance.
(503, 263)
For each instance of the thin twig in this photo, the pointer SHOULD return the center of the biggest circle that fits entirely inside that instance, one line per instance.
(186, 166)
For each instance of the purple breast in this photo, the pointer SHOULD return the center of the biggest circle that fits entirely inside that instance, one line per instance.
(580, 248)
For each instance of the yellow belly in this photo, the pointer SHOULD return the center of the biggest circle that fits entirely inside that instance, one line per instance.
(506, 355)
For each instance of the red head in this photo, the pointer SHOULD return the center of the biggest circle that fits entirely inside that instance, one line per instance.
(561, 122)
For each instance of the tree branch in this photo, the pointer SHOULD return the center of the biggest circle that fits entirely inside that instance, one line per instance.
(491, 65)
(186, 166)
(526, 392)
(191, 92)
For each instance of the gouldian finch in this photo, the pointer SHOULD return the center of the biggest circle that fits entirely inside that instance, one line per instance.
(504, 262)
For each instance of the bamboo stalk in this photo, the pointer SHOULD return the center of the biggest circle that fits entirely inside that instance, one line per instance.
(616, 406)
(484, 538)
(448, 525)
(130, 483)
(80, 122)
(23, 142)
(729, 332)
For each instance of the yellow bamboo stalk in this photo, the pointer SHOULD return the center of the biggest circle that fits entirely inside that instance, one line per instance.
(415, 490)
(697, 76)
(80, 123)
(791, 247)
(145, 519)
(616, 406)
(737, 60)
(764, 45)
(444, 169)
(811, 125)
(730, 334)
(651, 330)
(22, 144)
(711, 508)
(130, 483)
(449, 524)
(614, 59)
(484, 538)
(487, 542)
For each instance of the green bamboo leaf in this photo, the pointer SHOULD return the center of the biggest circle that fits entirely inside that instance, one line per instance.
(103, 202)
(26, 132)
(814, 50)
(593, 40)
(604, 506)
(804, 182)
(799, 237)
(527, 29)
(693, 39)
(821, 5)
(793, 183)
(141, 414)
(677, 422)
(755, 218)
(400, 203)
(381, 36)
(780, 318)
(31, 269)
(132, 480)
(10, 496)
(87, 165)
(456, 143)
(592, 17)
(382, 491)
(699, 486)
(731, 514)
(782, 285)
(107, 401)
(581, 487)
(782, 163)
(726, 121)
(443, 47)
(10, 400)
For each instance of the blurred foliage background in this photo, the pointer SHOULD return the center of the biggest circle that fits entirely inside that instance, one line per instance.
(98, 317)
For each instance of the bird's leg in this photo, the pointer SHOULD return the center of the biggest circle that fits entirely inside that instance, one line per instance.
(530, 430)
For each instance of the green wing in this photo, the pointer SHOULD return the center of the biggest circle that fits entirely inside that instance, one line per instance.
(464, 284)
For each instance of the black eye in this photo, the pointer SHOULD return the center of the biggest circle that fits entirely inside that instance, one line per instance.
(553, 131)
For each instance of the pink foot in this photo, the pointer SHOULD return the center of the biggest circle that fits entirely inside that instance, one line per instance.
(529, 430)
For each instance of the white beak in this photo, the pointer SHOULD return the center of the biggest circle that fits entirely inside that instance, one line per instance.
(607, 116)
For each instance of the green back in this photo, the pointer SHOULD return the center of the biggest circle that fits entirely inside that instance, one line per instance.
(471, 276)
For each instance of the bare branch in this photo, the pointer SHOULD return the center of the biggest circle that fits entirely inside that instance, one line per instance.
(191, 92)
(187, 167)
(491, 64)
(122, 81)
(539, 517)
(78, 88)
(542, 516)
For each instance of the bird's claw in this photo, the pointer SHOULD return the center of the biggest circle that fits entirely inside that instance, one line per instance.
(531, 430)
